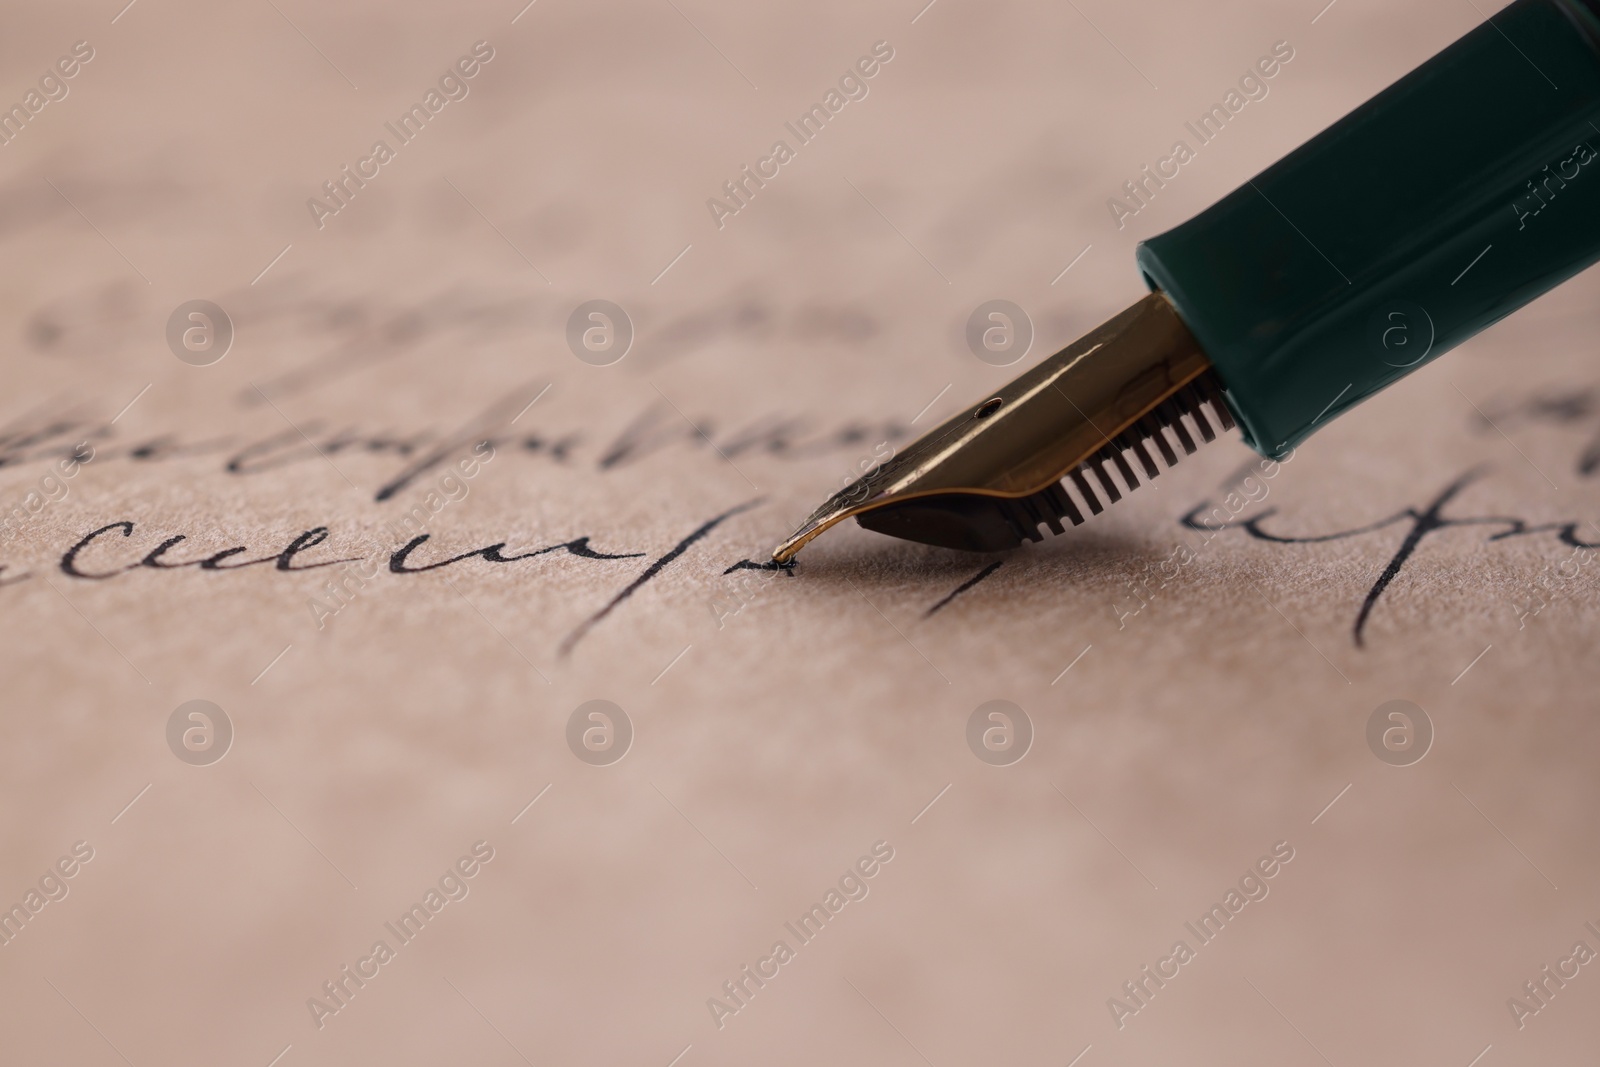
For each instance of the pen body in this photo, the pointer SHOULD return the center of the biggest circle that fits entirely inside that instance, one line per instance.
(1457, 195)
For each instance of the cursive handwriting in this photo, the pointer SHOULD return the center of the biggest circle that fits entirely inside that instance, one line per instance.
(650, 572)
(656, 428)
(1570, 406)
(86, 559)
(1418, 523)
(283, 560)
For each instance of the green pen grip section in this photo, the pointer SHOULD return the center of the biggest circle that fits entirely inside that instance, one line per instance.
(1432, 211)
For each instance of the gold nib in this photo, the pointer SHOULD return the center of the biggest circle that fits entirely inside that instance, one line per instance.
(988, 477)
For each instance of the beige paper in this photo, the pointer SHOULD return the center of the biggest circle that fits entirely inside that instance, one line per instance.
(1194, 702)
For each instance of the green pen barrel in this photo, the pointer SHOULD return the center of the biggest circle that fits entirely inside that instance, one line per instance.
(1443, 204)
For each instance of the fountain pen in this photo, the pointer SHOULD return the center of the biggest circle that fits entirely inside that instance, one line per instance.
(1446, 202)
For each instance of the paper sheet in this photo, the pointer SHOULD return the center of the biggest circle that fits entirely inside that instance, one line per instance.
(811, 760)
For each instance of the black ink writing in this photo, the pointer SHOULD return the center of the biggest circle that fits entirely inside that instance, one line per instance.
(1417, 522)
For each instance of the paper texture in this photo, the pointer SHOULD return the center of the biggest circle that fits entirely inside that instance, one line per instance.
(1194, 701)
